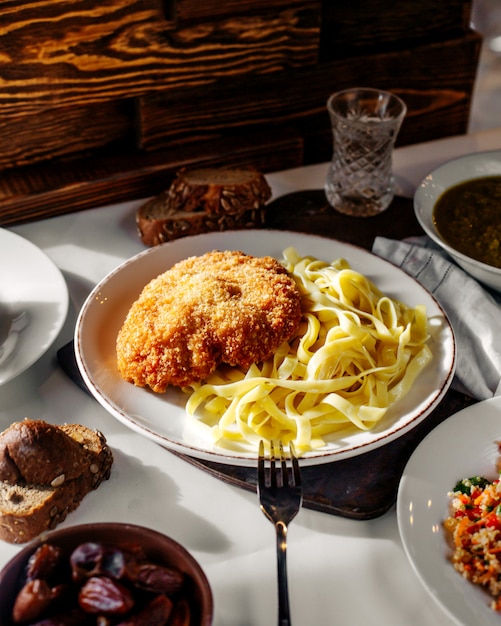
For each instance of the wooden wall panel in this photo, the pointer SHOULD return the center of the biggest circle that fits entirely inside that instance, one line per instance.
(97, 51)
(363, 26)
(182, 11)
(300, 96)
(64, 131)
(60, 187)
(103, 100)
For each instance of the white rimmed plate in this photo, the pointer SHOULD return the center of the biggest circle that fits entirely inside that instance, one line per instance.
(461, 447)
(33, 290)
(163, 417)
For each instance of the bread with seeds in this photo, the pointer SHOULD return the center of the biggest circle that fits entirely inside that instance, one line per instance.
(205, 200)
(45, 472)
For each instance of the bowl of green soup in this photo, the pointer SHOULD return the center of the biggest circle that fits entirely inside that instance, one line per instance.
(459, 207)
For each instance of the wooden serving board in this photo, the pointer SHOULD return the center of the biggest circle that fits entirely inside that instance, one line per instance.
(362, 487)
(365, 486)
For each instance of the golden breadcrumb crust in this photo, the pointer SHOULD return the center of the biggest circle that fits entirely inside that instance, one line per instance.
(221, 307)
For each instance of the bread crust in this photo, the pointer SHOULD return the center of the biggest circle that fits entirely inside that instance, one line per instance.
(29, 506)
(205, 200)
(176, 224)
(224, 191)
(35, 452)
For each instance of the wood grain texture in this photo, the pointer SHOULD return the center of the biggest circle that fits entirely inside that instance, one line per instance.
(60, 187)
(64, 131)
(67, 52)
(182, 11)
(364, 26)
(299, 96)
(102, 100)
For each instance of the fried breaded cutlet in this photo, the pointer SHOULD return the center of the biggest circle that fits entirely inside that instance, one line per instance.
(221, 307)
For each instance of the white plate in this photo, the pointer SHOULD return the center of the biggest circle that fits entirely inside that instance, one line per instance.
(31, 286)
(462, 446)
(163, 417)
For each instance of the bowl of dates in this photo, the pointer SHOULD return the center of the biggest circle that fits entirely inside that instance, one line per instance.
(104, 574)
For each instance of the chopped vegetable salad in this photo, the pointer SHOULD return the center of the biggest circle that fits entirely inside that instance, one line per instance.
(475, 530)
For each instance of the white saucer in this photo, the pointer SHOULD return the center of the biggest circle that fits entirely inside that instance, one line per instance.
(33, 304)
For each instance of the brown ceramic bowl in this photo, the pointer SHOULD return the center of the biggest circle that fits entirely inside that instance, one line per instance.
(158, 548)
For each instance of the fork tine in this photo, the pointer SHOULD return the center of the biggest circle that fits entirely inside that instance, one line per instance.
(295, 465)
(260, 463)
(273, 474)
(283, 461)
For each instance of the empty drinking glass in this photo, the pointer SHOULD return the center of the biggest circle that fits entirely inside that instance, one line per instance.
(365, 124)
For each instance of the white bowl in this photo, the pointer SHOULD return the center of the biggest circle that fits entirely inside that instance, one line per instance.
(449, 175)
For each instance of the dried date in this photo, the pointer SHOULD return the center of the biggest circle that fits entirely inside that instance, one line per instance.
(102, 595)
(155, 613)
(32, 601)
(73, 618)
(44, 562)
(95, 559)
(158, 579)
(181, 614)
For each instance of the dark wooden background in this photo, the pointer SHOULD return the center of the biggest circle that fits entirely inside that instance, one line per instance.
(103, 100)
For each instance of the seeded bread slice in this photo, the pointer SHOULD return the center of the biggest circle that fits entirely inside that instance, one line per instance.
(29, 508)
(159, 222)
(219, 191)
(205, 200)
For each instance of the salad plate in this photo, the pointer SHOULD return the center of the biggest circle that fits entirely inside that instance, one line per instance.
(163, 418)
(461, 447)
(33, 304)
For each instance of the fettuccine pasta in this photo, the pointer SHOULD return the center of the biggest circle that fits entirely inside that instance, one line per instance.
(356, 353)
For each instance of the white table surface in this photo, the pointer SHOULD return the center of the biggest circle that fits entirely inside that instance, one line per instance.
(340, 571)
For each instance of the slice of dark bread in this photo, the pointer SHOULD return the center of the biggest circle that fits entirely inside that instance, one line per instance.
(29, 508)
(205, 200)
(161, 223)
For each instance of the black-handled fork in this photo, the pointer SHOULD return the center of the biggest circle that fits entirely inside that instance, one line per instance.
(280, 497)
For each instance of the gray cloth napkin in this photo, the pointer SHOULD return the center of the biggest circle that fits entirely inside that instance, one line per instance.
(473, 311)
